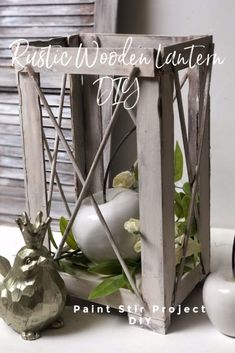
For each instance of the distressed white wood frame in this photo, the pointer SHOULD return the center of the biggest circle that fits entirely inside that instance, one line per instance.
(155, 144)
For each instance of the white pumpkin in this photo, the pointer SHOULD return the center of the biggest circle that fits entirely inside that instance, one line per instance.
(89, 233)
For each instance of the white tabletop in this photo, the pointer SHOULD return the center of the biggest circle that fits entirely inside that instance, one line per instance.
(110, 333)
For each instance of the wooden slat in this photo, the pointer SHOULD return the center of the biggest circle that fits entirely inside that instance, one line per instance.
(16, 162)
(50, 133)
(9, 109)
(45, 32)
(78, 128)
(5, 53)
(14, 110)
(77, 120)
(66, 123)
(118, 41)
(48, 21)
(200, 46)
(12, 98)
(16, 151)
(18, 204)
(66, 112)
(43, 2)
(6, 42)
(66, 176)
(94, 58)
(33, 149)
(9, 119)
(12, 191)
(144, 41)
(11, 162)
(7, 79)
(18, 192)
(8, 129)
(167, 186)
(193, 108)
(68, 190)
(104, 23)
(204, 178)
(12, 183)
(157, 247)
(11, 173)
(106, 111)
(16, 141)
(93, 128)
(56, 10)
(10, 150)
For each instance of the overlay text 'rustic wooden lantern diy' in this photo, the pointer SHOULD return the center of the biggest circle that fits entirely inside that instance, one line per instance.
(160, 89)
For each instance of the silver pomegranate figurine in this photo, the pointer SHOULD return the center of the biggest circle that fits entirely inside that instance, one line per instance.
(32, 293)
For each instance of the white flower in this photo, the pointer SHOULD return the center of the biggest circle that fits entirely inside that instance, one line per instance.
(132, 226)
(137, 246)
(124, 180)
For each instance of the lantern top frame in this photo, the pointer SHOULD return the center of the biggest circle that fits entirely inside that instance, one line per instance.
(151, 54)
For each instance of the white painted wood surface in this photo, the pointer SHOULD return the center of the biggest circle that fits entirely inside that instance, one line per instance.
(31, 123)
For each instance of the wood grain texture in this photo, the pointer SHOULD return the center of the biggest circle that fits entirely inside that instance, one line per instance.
(97, 59)
(35, 180)
(77, 120)
(48, 21)
(106, 111)
(44, 2)
(92, 127)
(57, 10)
(204, 178)
(193, 109)
(188, 283)
(157, 243)
(167, 189)
(106, 16)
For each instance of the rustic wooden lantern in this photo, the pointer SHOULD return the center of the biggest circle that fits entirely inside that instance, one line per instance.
(160, 284)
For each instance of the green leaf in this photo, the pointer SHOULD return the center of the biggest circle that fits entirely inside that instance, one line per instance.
(79, 260)
(178, 163)
(178, 206)
(185, 205)
(178, 211)
(187, 188)
(187, 269)
(65, 266)
(70, 238)
(178, 198)
(50, 234)
(108, 286)
(107, 268)
(180, 228)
